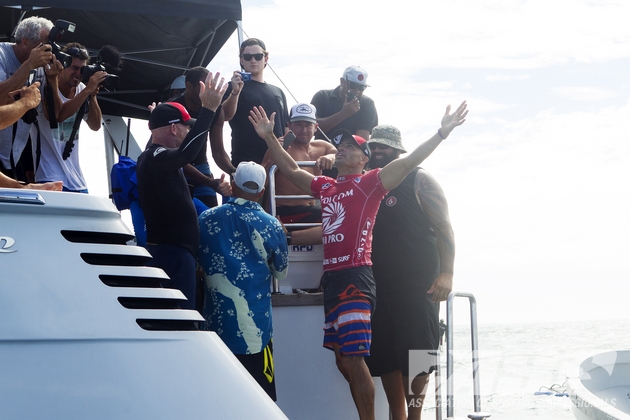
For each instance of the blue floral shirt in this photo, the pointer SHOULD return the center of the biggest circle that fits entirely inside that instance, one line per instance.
(241, 248)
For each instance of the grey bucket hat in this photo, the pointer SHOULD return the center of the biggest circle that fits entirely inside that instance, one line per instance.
(388, 135)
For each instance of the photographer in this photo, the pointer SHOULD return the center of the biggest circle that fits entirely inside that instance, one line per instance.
(59, 159)
(27, 60)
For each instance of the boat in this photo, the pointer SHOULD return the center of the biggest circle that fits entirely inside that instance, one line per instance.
(87, 331)
(599, 388)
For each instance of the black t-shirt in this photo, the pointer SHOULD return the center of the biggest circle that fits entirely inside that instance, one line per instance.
(202, 156)
(405, 257)
(246, 144)
(163, 192)
(328, 103)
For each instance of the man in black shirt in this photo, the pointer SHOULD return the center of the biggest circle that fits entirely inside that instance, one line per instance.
(171, 219)
(246, 144)
(413, 250)
(345, 106)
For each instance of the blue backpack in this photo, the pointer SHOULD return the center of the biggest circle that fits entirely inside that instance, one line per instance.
(124, 183)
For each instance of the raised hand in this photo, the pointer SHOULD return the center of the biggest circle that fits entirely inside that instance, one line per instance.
(262, 124)
(211, 92)
(450, 121)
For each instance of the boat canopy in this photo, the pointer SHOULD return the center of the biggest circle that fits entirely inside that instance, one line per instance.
(159, 39)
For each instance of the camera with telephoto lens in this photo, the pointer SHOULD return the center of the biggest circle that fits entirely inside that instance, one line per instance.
(110, 82)
(55, 34)
(109, 60)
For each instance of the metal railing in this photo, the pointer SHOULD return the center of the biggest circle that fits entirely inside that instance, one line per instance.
(272, 204)
(450, 398)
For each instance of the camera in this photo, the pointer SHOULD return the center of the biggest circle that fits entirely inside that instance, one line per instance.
(109, 59)
(60, 28)
(245, 76)
(111, 80)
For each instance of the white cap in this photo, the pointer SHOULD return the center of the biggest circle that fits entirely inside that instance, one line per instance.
(248, 173)
(179, 82)
(303, 112)
(356, 74)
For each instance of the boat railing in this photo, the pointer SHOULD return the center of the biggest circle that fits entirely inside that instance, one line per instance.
(477, 415)
(273, 199)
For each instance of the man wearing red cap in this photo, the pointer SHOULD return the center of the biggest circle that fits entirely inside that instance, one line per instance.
(171, 218)
(349, 207)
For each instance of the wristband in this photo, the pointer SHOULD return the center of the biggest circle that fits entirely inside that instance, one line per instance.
(443, 137)
(289, 238)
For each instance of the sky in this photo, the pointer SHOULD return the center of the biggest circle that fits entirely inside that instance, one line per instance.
(537, 178)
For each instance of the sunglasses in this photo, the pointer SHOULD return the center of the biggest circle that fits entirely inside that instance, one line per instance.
(258, 56)
(355, 86)
(378, 146)
(78, 52)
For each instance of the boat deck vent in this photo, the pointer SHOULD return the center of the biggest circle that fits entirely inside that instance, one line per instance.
(167, 324)
(114, 259)
(88, 237)
(149, 303)
(130, 281)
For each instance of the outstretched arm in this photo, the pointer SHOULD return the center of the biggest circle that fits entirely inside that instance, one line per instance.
(394, 172)
(433, 201)
(286, 164)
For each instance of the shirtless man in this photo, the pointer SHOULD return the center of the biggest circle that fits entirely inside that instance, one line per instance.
(303, 124)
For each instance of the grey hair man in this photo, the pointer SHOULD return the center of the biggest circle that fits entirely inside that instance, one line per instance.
(27, 60)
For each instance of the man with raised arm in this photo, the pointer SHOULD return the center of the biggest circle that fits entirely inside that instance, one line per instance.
(413, 254)
(171, 218)
(349, 207)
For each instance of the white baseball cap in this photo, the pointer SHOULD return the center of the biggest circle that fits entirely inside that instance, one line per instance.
(252, 174)
(303, 112)
(356, 74)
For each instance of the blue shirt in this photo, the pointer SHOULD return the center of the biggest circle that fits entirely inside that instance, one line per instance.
(241, 248)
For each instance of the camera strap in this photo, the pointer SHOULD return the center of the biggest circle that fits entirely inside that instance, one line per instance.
(49, 101)
(13, 168)
(75, 128)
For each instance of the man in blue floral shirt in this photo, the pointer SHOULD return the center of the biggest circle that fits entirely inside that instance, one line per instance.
(241, 248)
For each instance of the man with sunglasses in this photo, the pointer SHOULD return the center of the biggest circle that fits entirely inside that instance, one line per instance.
(346, 107)
(413, 251)
(244, 95)
(54, 164)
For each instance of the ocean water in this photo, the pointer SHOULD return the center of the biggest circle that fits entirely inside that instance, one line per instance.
(518, 360)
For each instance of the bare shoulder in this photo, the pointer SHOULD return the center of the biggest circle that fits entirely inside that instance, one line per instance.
(322, 147)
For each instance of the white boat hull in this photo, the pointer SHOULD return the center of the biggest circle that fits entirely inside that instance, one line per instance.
(87, 333)
(600, 387)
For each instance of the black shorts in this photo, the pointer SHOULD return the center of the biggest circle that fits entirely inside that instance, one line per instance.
(403, 322)
(260, 366)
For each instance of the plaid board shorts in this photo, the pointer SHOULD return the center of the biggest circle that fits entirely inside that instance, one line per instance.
(349, 299)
